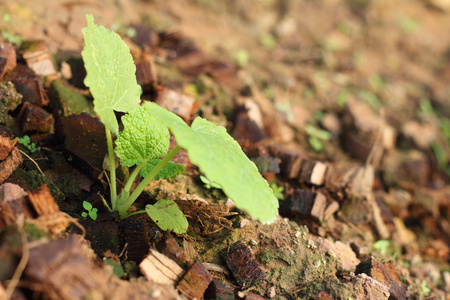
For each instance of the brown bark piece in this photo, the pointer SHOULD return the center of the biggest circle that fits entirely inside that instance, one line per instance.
(291, 162)
(43, 201)
(29, 85)
(313, 172)
(176, 102)
(64, 269)
(361, 116)
(36, 119)
(8, 56)
(219, 290)
(8, 165)
(174, 251)
(13, 204)
(366, 288)
(304, 203)
(85, 138)
(388, 273)
(49, 216)
(350, 181)
(38, 58)
(159, 268)
(6, 143)
(145, 70)
(242, 263)
(195, 282)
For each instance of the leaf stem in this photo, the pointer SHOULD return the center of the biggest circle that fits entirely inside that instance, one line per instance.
(126, 190)
(112, 169)
(126, 205)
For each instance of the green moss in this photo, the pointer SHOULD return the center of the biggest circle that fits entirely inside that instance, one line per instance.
(34, 233)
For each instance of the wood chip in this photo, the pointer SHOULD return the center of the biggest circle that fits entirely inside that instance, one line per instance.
(8, 165)
(29, 85)
(36, 119)
(242, 263)
(8, 55)
(38, 58)
(304, 203)
(195, 282)
(388, 273)
(49, 215)
(145, 70)
(6, 143)
(178, 103)
(13, 204)
(159, 268)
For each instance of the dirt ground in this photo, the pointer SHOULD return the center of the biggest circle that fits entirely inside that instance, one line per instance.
(344, 106)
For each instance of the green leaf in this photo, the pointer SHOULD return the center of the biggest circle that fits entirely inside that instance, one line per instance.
(222, 160)
(171, 170)
(84, 214)
(142, 138)
(87, 205)
(110, 73)
(93, 214)
(167, 215)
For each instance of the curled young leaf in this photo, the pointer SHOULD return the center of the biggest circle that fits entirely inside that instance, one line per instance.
(222, 160)
(142, 138)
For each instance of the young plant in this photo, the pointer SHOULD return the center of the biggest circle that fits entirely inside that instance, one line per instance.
(25, 140)
(145, 139)
(90, 211)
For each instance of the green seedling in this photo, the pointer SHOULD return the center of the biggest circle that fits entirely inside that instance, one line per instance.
(145, 139)
(208, 184)
(277, 190)
(90, 211)
(424, 288)
(25, 140)
(316, 137)
(382, 246)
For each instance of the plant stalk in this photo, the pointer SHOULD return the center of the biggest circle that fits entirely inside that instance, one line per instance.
(126, 190)
(112, 169)
(127, 204)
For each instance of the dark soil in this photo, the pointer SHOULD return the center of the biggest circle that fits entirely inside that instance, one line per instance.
(343, 106)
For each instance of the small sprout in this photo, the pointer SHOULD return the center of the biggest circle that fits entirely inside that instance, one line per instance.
(241, 58)
(117, 267)
(25, 140)
(268, 41)
(316, 137)
(382, 246)
(342, 98)
(285, 107)
(277, 190)
(408, 25)
(209, 184)
(424, 288)
(426, 107)
(90, 211)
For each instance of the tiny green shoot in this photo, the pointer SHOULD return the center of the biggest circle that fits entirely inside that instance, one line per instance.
(316, 137)
(382, 246)
(208, 184)
(424, 288)
(241, 58)
(144, 141)
(90, 211)
(25, 140)
(277, 190)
